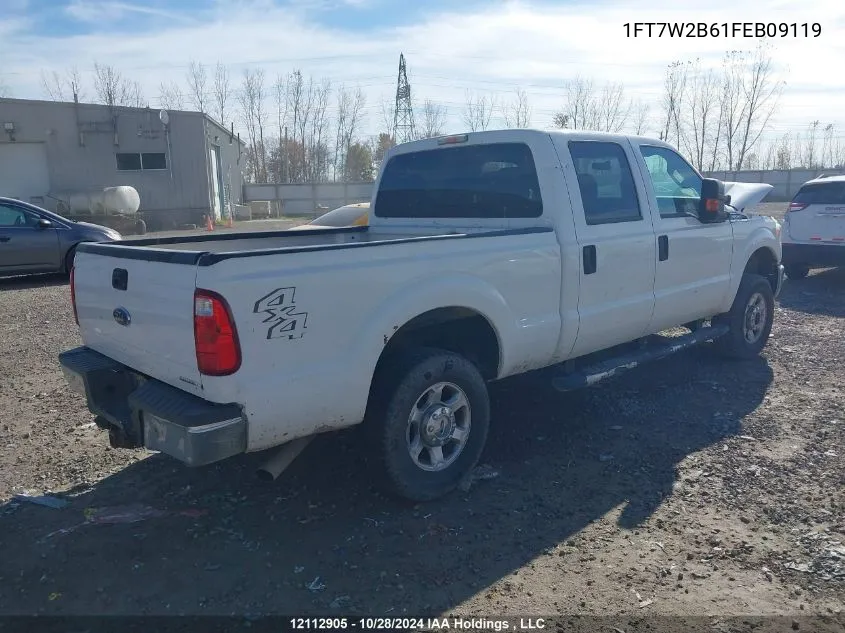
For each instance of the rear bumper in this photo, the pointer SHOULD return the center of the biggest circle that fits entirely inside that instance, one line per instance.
(149, 413)
(814, 255)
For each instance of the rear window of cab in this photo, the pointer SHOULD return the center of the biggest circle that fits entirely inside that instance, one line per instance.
(491, 180)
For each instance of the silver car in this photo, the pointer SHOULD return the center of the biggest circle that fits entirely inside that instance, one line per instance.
(34, 240)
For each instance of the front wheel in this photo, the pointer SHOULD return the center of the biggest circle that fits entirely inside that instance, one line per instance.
(750, 319)
(71, 254)
(428, 420)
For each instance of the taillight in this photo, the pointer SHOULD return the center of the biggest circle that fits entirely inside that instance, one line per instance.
(797, 206)
(215, 336)
(73, 296)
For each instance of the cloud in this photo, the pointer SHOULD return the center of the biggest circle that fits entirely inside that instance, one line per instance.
(490, 48)
(101, 12)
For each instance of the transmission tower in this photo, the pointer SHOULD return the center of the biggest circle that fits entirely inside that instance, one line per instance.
(403, 113)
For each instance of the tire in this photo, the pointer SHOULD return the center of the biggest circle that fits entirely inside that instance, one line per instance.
(750, 319)
(404, 432)
(140, 227)
(69, 259)
(796, 271)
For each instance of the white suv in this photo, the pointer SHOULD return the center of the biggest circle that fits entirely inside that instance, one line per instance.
(814, 228)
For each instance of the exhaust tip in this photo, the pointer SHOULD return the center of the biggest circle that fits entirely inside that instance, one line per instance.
(264, 475)
(283, 457)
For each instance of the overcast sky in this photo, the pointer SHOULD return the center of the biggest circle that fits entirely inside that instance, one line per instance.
(488, 47)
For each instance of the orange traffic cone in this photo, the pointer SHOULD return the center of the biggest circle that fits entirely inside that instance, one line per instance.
(209, 225)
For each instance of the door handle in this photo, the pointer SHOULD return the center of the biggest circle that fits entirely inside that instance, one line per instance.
(663, 248)
(590, 263)
(5, 239)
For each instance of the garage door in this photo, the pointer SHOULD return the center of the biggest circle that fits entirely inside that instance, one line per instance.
(23, 170)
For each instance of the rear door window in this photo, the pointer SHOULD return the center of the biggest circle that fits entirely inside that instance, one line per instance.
(606, 182)
(495, 180)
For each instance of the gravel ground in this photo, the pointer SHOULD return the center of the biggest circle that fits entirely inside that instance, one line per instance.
(692, 487)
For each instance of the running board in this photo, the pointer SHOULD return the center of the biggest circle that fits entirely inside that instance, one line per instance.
(659, 347)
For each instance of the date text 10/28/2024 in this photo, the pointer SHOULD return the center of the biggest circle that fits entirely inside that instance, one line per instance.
(723, 29)
(417, 624)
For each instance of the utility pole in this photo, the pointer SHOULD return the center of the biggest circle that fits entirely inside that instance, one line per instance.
(403, 113)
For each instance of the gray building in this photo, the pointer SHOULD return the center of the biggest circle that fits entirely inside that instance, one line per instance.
(184, 165)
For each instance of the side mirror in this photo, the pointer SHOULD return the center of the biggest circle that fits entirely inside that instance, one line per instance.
(44, 223)
(711, 207)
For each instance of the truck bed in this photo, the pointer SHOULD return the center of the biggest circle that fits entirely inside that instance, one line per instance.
(207, 249)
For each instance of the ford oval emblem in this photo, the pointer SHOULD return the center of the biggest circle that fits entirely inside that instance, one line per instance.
(122, 316)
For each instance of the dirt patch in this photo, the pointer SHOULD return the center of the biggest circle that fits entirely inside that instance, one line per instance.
(692, 486)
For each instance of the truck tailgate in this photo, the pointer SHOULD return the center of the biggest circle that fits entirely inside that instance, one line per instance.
(147, 326)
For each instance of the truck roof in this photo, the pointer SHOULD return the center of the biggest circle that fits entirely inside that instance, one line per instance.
(524, 133)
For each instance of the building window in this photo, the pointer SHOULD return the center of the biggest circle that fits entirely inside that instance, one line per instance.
(154, 161)
(128, 162)
(133, 161)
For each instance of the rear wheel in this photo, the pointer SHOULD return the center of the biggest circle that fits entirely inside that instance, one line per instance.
(796, 271)
(750, 319)
(427, 421)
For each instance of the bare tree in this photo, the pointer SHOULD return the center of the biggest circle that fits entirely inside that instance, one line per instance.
(478, 111)
(810, 158)
(113, 89)
(761, 93)
(674, 88)
(388, 115)
(280, 93)
(62, 87)
(640, 113)
(135, 95)
(319, 156)
(301, 96)
(734, 106)
(197, 80)
(222, 93)
(703, 109)
(612, 109)
(109, 84)
(54, 86)
(170, 96)
(783, 153)
(579, 110)
(433, 120)
(251, 99)
(349, 110)
(517, 113)
(828, 146)
(261, 117)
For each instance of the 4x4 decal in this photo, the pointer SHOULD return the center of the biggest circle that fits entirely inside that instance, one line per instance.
(280, 308)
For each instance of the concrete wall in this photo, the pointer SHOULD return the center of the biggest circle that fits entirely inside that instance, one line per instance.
(303, 199)
(786, 182)
(307, 199)
(81, 148)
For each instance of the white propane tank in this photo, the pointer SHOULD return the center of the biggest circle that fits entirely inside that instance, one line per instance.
(122, 200)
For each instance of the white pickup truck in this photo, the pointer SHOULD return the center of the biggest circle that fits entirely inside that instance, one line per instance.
(487, 255)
